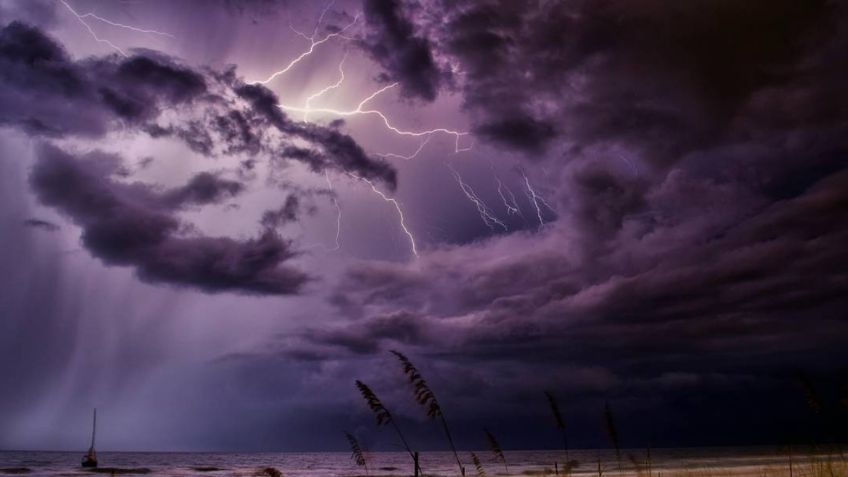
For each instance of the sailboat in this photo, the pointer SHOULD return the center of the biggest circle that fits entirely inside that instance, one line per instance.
(90, 459)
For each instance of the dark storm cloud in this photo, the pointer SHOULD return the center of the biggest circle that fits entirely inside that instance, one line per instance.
(362, 338)
(131, 224)
(288, 212)
(41, 224)
(705, 283)
(663, 77)
(718, 263)
(392, 42)
(47, 93)
(203, 188)
(342, 149)
(695, 155)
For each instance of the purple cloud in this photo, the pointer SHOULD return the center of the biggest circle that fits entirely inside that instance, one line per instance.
(130, 224)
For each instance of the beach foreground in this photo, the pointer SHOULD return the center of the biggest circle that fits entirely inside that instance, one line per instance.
(695, 462)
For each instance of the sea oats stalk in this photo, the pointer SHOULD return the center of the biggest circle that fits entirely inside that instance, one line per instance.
(477, 465)
(496, 449)
(426, 398)
(612, 432)
(560, 425)
(356, 451)
(383, 415)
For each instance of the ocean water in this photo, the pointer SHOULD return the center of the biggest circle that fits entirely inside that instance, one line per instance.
(325, 464)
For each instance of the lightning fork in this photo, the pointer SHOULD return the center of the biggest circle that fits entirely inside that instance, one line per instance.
(486, 214)
(360, 111)
(338, 211)
(91, 31)
(81, 18)
(333, 86)
(396, 204)
(127, 27)
(511, 207)
(536, 199)
(392, 155)
(312, 45)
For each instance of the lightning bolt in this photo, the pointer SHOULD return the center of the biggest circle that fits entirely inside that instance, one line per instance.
(396, 204)
(360, 111)
(313, 43)
(81, 18)
(486, 214)
(127, 27)
(536, 200)
(338, 212)
(511, 205)
(320, 93)
(392, 155)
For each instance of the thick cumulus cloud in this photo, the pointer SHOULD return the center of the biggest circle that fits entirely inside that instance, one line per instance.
(669, 322)
(48, 94)
(406, 56)
(662, 77)
(696, 153)
(131, 224)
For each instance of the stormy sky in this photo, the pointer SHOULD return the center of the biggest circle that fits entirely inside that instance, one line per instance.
(217, 215)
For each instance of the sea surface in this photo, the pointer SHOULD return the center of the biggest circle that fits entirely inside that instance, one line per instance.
(325, 464)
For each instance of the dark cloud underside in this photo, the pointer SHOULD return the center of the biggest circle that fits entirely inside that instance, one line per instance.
(130, 224)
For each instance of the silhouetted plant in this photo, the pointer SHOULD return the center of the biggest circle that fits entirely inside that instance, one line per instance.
(612, 432)
(356, 451)
(560, 425)
(477, 465)
(496, 449)
(382, 413)
(641, 466)
(426, 398)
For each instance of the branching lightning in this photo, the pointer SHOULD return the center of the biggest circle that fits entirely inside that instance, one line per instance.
(511, 204)
(486, 214)
(360, 111)
(338, 211)
(395, 203)
(81, 18)
(320, 93)
(392, 155)
(363, 108)
(536, 199)
(313, 43)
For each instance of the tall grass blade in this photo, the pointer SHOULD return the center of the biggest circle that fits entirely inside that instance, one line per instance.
(560, 424)
(481, 472)
(356, 451)
(426, 398)
(558, 420)
(612, 432)
(496, 449)
(382, 413)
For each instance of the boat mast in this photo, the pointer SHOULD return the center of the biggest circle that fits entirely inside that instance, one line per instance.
(94, 428)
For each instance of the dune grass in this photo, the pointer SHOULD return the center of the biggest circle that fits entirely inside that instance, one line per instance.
(426, 398)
